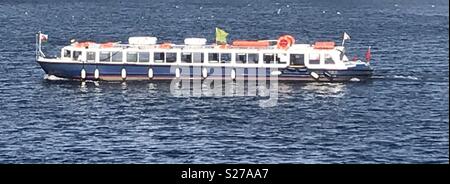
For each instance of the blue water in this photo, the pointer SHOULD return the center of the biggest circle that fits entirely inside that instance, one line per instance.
(400, 116)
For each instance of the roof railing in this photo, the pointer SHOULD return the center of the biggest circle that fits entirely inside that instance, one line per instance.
(123, 46)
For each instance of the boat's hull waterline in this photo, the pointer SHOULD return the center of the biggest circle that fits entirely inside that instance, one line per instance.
(128, 72)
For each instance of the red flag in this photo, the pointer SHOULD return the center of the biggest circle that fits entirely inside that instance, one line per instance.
(368, 55)
(43, 37)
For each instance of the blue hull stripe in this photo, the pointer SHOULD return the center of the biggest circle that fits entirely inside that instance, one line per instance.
(140, 72)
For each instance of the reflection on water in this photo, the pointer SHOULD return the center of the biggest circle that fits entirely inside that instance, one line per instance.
(326, 89)
(83, 87)
(53, 78)
(285, 88)
(152, 88)
(97, 88)
(222, 88)
(124, 86)
(309, 91)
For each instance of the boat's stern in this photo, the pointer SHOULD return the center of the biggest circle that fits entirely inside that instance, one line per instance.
(359, 70)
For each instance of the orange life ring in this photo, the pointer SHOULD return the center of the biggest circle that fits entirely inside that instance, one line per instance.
(284, 42)
(291, 38)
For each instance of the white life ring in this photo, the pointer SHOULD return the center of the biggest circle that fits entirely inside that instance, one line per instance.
(96, 73)
(83, 74)
(204, 73)
(150, 73)
(233, 74)
(123, 73)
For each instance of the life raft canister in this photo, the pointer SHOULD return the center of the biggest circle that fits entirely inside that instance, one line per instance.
(285, 41)
(247, 43)
(166, 45)
(85, 44)
(324, 45)
(107, 45)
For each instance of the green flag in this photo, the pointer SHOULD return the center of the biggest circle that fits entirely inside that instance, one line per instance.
(221, 36)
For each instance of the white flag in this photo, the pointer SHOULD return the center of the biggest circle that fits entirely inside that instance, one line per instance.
(346, 36)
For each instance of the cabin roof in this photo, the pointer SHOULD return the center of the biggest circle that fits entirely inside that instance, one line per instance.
(175, 47)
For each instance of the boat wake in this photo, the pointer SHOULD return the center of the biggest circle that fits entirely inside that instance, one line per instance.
(335, 90)
(396, 77)
(54, 78)
(405, 77)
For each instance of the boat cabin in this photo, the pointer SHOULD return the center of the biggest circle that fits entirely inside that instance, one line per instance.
(195, 52)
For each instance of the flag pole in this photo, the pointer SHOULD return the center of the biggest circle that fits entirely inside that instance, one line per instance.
(39, 41)
(343, 40)
(40, 44)
(37, 45)
(368, 55)
(345, 37)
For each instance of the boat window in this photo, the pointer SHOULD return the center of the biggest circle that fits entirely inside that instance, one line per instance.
(132, 57)
(197, 57)
(171, 57)
(241, 58)
(144, 57)
(225, 58)
(67, 53)
(159, 57)
(213, 57)
(268, 58)
(116, 56)
(90, 57)
(328, 59)
(297, 59)
(278, 59)
(76, 55)
(105, 56)
(253, 58)
(186, 57)
(314, 58)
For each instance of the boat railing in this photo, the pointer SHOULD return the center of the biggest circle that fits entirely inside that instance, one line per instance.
(174, 46)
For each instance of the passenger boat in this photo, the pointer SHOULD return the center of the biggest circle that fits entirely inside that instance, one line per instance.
(143, 58)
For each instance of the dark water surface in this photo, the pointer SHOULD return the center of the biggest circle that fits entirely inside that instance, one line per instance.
(401, 116)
